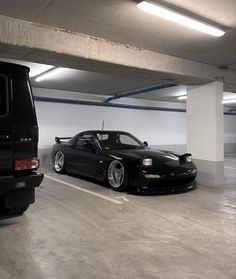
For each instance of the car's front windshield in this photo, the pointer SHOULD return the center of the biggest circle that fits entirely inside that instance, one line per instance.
(118, 140)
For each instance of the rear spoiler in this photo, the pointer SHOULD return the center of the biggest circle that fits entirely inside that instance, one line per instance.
(58, 140)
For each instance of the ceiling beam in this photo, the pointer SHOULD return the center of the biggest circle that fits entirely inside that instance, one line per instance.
(29, 41)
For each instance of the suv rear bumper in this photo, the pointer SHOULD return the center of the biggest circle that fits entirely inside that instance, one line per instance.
(19, 190)
(11, 183)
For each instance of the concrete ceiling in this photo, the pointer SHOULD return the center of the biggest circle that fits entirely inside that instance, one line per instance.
(86, 82)
(104, 84)
(122, 22)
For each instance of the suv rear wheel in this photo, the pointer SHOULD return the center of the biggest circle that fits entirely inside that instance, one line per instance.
(17, 209)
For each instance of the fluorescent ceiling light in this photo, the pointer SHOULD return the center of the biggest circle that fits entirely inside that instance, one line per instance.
(39, 70)
(176, 17)
(229, 101)
(183, 97)
(230, 96)
(49, 74)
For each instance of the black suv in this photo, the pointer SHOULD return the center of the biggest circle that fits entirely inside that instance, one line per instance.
(18, 140)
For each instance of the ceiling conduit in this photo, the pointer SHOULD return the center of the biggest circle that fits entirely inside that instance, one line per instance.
(140, 91)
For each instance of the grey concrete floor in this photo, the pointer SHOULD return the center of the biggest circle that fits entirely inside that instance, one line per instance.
(70, 234)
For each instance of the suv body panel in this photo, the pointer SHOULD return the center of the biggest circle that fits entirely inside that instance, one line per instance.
(18, 135)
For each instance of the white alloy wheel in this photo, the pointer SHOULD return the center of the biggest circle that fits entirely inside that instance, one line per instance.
(116, 174)
(59, 162)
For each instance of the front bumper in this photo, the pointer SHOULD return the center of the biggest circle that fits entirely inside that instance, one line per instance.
(168, 185)
(165, 183)
(11, 183)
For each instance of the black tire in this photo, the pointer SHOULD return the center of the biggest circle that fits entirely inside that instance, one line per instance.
(16, 210)
(117, 176)
(59, 162)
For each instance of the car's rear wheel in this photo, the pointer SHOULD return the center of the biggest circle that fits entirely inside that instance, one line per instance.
(59, 162)
(116, 176)
(16, 210)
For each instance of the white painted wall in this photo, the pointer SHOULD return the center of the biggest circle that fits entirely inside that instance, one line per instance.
(230, 133)
(166, 130)
(156, 127)
(230, 129)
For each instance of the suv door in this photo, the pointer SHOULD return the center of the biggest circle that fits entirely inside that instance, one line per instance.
(24, 116)
(6, 131)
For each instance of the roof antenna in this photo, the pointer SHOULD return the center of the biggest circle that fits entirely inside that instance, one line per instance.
(102, 125)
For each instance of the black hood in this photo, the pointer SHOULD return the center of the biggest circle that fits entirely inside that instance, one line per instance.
(137, 154)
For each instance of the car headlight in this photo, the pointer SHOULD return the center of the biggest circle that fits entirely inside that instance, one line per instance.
(188, 158)
(147, 162)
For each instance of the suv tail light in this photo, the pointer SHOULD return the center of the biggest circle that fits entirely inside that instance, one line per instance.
(28, 164)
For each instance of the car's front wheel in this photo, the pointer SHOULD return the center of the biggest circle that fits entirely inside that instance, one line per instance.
(59, 162)
(117, 177)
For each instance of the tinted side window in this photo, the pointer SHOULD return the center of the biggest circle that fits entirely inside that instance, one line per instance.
(82, 140)
(124, 139)
(4, 105)
(102, 137)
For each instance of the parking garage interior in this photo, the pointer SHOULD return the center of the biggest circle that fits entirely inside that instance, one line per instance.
(116, 67)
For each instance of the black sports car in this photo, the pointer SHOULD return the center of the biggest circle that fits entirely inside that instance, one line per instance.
(123, 161)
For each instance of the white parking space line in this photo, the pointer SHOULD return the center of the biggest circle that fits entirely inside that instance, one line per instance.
(123, 198)
(84, 190)
(230, 168)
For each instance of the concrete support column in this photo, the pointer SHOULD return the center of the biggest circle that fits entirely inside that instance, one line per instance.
(205, 131)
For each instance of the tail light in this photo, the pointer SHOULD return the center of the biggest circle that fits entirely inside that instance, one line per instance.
(27, 164)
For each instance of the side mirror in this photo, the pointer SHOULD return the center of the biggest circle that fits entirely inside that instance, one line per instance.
(145, 144)
(57, 140)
